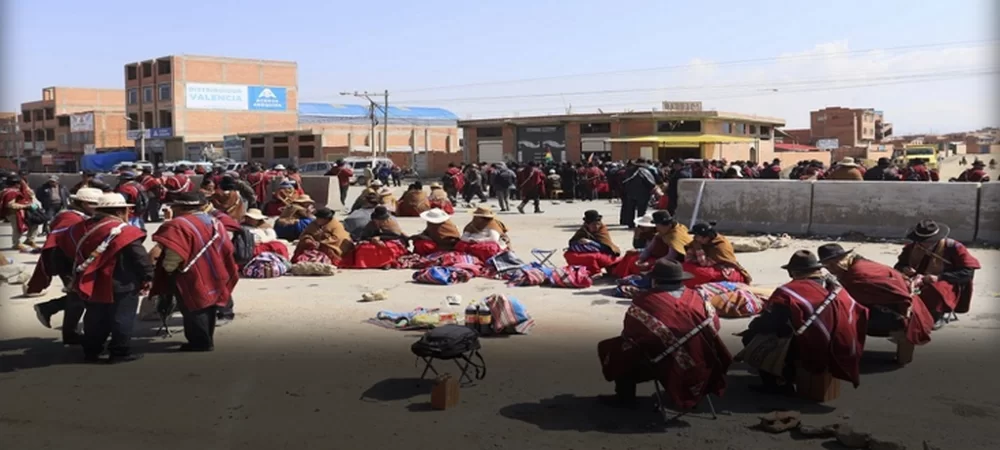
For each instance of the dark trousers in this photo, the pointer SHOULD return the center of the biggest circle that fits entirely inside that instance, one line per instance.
(114, 319)
(534, 197)
(72, 308)
(452, 194)
(586, 193)
(199, 326)
(226, 312)
(503, 196)
(633, 207)
(153, 209)
(50, 212)
(474, 191)
(671, 204)
(343, 195)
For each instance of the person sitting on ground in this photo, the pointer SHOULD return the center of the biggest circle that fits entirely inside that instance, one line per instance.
(380, 243)
(831, 340)
(280, 199)
(441, 234)
(886, 293)
(207, 187)
(228, 200)
(414, 201)
(372, 188)
(485, 236)
(388, 199)
(643, 234)
(942, 268)
(670, 334)
(264, 238)
(295, 218)
(325, 240)
(710, 257)
(669, 242)
(591, 246)
(439, 199)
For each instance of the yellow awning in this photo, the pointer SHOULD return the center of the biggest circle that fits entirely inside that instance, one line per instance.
(686, 139)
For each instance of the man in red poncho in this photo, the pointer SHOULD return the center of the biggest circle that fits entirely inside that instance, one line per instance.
(916, 171)
(110, 269)
(826, 327)
(453, 181)
(531, 183)
(976, 174)
(81, 207)
(260, 182)
(197, 266)
(883, 290)
(944, 266)
(134, 194)
(670, 334)
(14, 201)
(178, 183)
(152, 183)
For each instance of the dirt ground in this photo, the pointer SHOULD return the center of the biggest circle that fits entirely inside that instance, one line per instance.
(300, 368)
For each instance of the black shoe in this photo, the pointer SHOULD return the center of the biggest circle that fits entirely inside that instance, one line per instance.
(615, 401)
(194, 348)
(538, 211)
(129, 357)
(520, 209)
(43, 318)
(72, 339)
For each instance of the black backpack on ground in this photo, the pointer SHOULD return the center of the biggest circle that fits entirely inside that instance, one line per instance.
(243, 246)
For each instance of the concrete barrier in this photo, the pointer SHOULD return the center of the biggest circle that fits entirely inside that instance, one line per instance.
(889, 209)
(989, 213)
(755, 206)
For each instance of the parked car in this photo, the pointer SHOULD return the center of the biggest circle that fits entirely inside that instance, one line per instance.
(358, 165)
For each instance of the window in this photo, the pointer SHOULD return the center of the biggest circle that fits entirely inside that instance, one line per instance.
(50, 113)
(164, 91)
(257, 152)
(741, 128)
(39, 135)
(39, 115)
(821, 118)
(147, 119)
(280, 139)
(64, 139)
(131, 72)
(595, 128)
(679, 126)
(27, 135)
(133, 121)
(307, 151)
(307, 138)
(727, 128)
(133, 96)
(26, 115)
(163, 67)
(64, 121)
(257, 141)
(753, 129)
(147, 94)
(147, 69)
(50, 134)
(490, 132)
(765, 132)
(166, 119)
(281, 152)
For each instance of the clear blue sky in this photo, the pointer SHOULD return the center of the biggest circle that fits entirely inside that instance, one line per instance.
(403, 45)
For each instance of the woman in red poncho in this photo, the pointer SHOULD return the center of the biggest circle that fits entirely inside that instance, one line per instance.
(591, 246)
(710, 257)
(441, 233)
(379, 244)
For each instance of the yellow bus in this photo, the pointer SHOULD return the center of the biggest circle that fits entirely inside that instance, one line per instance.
(927, 153)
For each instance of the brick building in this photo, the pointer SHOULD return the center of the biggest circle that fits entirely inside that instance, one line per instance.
(45, 124)
(11, 140)
(657, 135)
(844, 127)
(187, 103)
(328, 132)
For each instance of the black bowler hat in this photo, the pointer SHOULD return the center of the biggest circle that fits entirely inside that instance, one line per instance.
(189, 199)
(662, 218)
(926, 230)
(591, 216)
(802, 261)
(703, 229)
(667, 272)
(829, 252)
(978, 163)
(324, 213)
(380, 213)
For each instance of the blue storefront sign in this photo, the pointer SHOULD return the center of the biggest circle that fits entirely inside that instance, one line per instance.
(161, 132)
(264, 98)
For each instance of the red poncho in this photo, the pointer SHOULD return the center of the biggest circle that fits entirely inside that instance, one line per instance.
(17, 196)
(131, 190)
(260, 183)
(833, 342)
(178, 184)
(457, 178)
(154, 185)
(657, 321)
(94, 283)
(873, 284)
(531, 181)
(949, 254)
(41, 278)
(212, 278)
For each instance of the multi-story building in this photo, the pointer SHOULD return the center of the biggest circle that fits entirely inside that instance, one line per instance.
(659, 135)
(188, 103)
(850, 127)
(45, 124)
(11, 140)
(98, 131)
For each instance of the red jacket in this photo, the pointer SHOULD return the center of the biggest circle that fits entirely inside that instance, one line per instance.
(212, 278)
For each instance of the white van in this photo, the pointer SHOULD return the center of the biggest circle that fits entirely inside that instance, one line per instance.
(357, 165)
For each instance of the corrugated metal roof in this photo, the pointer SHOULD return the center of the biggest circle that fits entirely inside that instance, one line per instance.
(360, 111)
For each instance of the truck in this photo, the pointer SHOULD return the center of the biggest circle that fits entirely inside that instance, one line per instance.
(924, 151)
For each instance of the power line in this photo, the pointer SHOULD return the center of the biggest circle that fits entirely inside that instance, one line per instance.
(684, 88)
(768, 93)
(689, 65)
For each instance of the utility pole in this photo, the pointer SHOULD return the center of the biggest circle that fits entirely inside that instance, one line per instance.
(373, 107)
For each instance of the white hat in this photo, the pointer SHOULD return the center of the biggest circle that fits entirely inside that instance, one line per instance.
(112, 200)
(848, 161)
(279, 167)
(377, 183)
(645, 221)
(435, 215)
(552, 171)
(87, 195)
(255, 214)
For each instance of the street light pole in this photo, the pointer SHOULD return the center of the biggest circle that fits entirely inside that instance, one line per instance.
(142, 141)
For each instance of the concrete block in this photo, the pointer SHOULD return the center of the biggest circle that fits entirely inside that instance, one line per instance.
(324, 190)
(888, 209)
(989, 213)
(756, 206)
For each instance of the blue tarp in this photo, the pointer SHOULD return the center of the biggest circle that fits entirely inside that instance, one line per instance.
(103, 162)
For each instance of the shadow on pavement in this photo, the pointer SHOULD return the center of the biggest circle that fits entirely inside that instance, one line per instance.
(397, 389)
(568, 412)
(45, 352)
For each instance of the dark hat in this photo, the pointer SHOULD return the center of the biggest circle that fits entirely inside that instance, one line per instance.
(88, 173)
(662, 218)
(703, 229)
(591, 216)
(12, 180)
(802, 261)
(667, 271)
(883, 161)
(978, 163)
(829, 252)
(380, 213)
(926, 230)
(189, 199)
(324, 213)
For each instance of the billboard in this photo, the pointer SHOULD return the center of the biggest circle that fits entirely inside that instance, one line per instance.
(828, 144)
(534, 143)
(235, 97)
(682, 106)
(81, 122)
